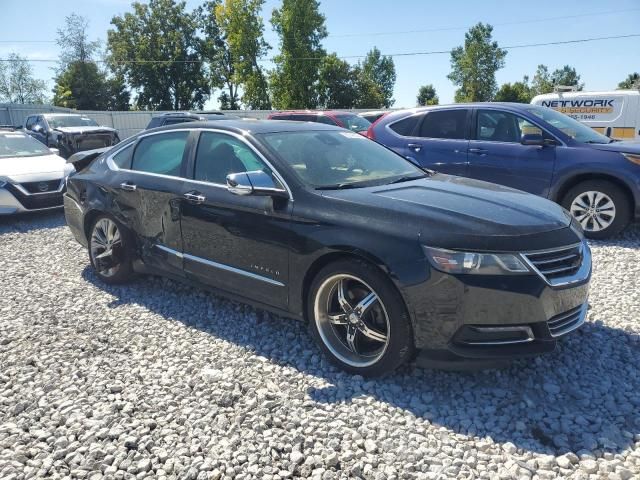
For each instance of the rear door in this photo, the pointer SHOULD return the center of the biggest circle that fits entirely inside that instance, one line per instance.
(440, 141)
(150, 185)
(238, 243)
(496, 154)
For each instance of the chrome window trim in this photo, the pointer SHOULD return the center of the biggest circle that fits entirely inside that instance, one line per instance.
(112, 166)
(220, 266)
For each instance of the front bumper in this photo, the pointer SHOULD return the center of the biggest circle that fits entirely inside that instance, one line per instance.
(496, 316)
(15, 198)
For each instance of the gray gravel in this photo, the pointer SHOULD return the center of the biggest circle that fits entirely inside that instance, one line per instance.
(155, 380)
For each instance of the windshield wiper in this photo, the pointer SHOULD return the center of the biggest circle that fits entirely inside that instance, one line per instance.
(408, 178)
(339, 186)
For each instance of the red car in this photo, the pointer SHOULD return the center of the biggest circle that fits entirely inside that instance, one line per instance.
(347, 120)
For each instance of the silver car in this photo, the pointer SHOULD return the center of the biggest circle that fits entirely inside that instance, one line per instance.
(32, 176)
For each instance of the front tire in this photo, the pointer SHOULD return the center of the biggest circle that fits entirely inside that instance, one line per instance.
(359, 319)
(601, 207)
(110, 250)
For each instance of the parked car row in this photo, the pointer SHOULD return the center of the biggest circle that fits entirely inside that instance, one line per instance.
(382, 258)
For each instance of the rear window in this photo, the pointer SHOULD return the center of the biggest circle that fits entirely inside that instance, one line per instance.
(155, 122)
(406, 126)
(353, 122)
(447, 124)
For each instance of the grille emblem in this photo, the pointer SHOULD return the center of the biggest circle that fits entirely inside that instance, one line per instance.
(43, 186)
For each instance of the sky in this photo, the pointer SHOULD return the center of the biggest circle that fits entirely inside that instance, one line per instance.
(396, 26)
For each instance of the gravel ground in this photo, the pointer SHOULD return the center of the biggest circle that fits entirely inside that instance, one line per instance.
(156, 379)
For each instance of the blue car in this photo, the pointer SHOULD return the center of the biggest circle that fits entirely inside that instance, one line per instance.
(527, 147)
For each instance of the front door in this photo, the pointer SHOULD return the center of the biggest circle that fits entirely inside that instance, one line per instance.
(237, 243)
(496, 154)
(440, 142)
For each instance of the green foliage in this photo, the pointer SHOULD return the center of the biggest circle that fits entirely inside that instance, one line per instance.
(541, 82)
(74, 42)
(427, 96)
(545, 82)
(337, 87)
(156, 49)
(17, 84)
(300, 26)
(632, 81)
(380, 71)
(518, 92)
(84, 87)
(566, 76)
(474, 65)
(242, 29)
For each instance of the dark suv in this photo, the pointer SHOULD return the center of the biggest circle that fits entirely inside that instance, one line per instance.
(172, 118)
(69, 132)
(527, 147)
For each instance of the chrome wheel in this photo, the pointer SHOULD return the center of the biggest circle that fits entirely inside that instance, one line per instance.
(352, 320)
(594, 210)
(106, 247)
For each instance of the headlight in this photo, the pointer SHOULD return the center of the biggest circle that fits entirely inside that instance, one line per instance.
(451, 261)
(632, 157)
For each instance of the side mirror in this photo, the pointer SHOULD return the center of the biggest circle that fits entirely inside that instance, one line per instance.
(254, 183)
(55, 151)
(37, 129)
(532, 139)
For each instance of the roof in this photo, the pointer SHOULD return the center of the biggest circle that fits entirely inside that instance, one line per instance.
(317, 112)
(253, 126)
(586, 94)
(45, 114)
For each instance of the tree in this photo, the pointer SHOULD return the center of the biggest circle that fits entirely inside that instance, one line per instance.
(427, 96)
(157, 51)
(541, 82)
(242, 28)
(566, 76)
(474, 65)
(84, 87)
(382, 72)
(300, 26)
(336, 86)
(74, 42)
(632, 81)
(518, 92)
(214, 48)
(17, 84)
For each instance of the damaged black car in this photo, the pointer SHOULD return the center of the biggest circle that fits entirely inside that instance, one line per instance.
(70, 133)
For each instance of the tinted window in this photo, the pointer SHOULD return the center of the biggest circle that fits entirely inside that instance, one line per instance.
(448, 124)
(333, 159)
(326, 120)
(161, 153)
(173, 121)
(155, 122)
(497, 126)
(123, 158)
(406, 126)
(30, 122)
(218, 155)
(354, 122)
(303, 118)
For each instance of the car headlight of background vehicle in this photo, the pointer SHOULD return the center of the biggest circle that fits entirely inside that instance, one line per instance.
(450, 261)
(632, 157)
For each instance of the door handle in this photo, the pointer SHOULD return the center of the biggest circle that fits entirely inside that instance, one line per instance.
(478, 151)
(416, 147)
(129, 187)
(194, 197)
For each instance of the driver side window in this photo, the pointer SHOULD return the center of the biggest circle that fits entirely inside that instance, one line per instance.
(496, 126)
(219, 154)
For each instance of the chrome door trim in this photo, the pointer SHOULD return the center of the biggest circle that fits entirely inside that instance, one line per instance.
(220, 266)
(112, 166)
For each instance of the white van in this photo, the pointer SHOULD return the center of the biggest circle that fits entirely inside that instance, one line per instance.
(615, 113)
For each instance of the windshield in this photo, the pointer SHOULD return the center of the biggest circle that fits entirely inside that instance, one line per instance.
(569, 126)
(20, 145)
(70, 121)
(339, 159)
(353, 122)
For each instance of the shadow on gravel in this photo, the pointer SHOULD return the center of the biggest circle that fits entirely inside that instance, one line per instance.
(27, 222)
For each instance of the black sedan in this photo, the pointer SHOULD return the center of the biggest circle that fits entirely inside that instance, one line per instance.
(382, 259)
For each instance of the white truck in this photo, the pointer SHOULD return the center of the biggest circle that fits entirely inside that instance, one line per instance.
(615, 113)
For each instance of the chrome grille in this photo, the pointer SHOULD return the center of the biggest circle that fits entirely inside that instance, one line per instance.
(42, 187)
(557, 264)
(567, 321)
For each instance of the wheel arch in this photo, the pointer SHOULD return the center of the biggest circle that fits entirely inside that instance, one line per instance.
(571, 182)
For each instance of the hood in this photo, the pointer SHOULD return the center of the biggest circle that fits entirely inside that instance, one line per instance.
(622, 147)
(456, 212)
(18, 167)
(84, 129)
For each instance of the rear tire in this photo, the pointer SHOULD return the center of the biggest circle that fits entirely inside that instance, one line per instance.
(110, 250)
(601, 207)
(359, 319)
